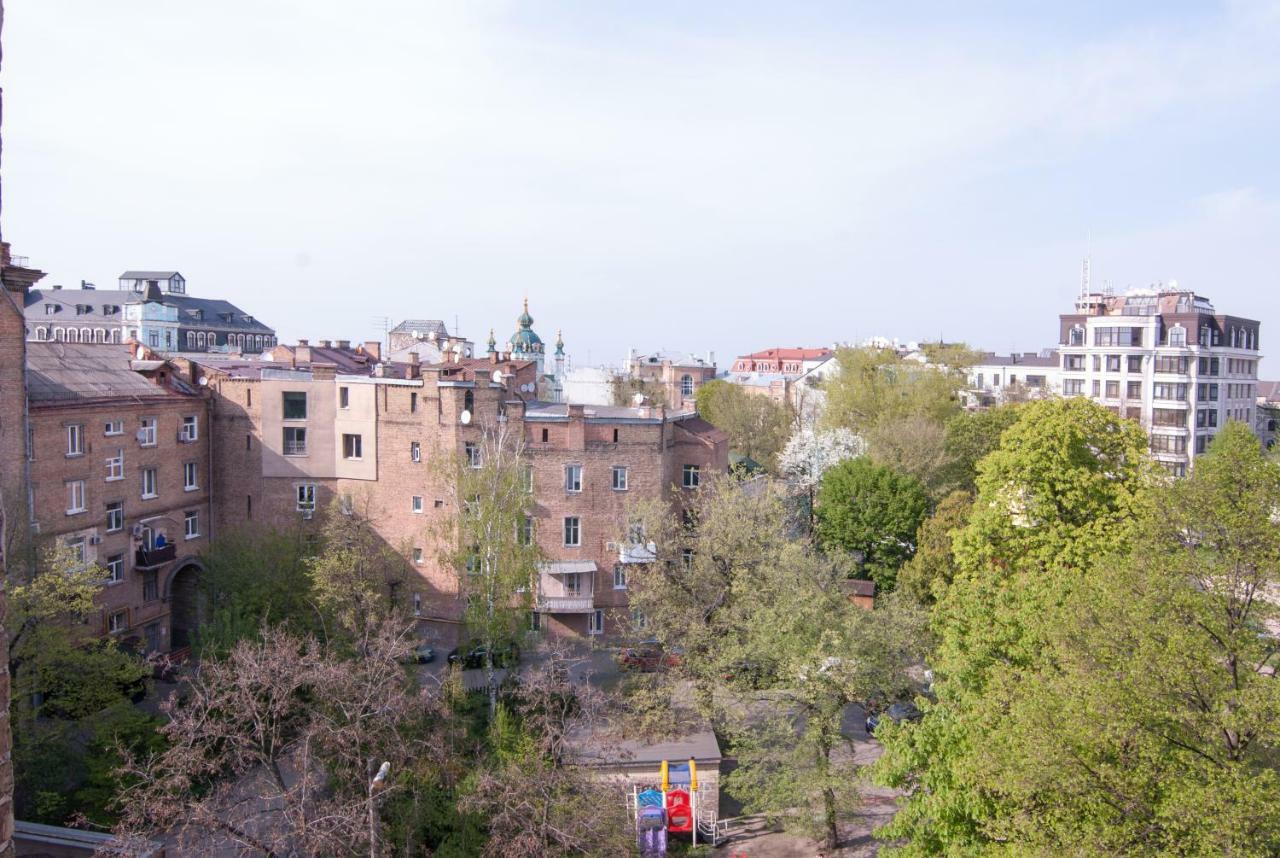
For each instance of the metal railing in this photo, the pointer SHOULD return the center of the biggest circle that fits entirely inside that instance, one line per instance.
(149, 558)
(566, 604)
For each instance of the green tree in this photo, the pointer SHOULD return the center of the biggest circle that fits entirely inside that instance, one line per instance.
(491, 541)
(874, 512)
(758, 427)
(926, 576)
(1151, 729)
(1065, 487)
(969, 437)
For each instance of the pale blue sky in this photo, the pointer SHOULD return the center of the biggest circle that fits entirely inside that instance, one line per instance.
(724, 176)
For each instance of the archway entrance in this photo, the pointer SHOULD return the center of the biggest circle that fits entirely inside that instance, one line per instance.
(184, 605)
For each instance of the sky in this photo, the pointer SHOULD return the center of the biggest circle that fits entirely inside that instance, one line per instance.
(689, 176)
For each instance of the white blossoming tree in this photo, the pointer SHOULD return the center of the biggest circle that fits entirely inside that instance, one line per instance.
(811, 453)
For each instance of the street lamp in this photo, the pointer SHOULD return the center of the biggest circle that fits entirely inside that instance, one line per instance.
(379, 778)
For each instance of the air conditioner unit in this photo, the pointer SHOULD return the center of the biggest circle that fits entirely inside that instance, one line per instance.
(307, 513)
(95, 540)
(141, 435)
(138, 530)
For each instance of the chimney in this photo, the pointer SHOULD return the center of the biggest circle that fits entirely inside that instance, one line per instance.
(303, 343)
(302, 352)
(324, 344)
(373, 347)
(493, 357)
(344, 344)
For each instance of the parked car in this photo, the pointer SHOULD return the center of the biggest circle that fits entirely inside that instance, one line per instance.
(421, 654)
(650, 655)
(897, 713)
(504, 655)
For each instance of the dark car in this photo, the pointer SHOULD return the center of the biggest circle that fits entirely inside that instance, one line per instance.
(897, 713)
(504, 655)
(648, 656)
(421, 654)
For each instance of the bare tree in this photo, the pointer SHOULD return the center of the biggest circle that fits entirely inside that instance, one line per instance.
(269, 749)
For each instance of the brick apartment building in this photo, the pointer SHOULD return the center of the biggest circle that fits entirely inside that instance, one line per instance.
(120, 472)
(679, 373)
(1165, 358)
(291, 438)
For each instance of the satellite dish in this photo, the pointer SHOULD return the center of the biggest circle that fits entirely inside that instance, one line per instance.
(638, 399)
(142, 352)
(465, 418)
(497, 376)
(203, 381)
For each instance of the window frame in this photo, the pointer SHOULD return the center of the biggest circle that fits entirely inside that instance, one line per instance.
(285, 404)
(575, 529)
(75, 440)
(76, 497)
(573, 478)
(690, 476)
(114, 568)
(623, 484)
(150, 475)
(352, 447)
(115, 515)
(294, 448)
(192, 470)
(191, 524)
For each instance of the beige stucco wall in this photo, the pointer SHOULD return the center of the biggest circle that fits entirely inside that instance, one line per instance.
(320, 424)
(360, 417)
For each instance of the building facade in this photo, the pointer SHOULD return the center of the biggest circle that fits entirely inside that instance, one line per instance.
(680, 374)
(150, 307)
(997, 378)
(1165, 358)
(120, 471)
(296, 442)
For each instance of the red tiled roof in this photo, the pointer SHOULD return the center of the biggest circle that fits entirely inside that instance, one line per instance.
(788, 354)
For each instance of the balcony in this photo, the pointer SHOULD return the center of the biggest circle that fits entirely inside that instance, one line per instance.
(565, 604)
(146, 558)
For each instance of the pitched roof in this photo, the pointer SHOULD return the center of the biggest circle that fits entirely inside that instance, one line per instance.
(676, 358)
(421, 326)
(192, 312)
(147, 275)
(788, 354)
(1269, 391)
(68, 372)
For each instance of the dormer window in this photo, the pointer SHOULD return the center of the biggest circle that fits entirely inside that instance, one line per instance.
(50, 309)
(1177, 336)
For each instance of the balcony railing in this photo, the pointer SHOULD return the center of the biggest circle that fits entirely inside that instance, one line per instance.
(149, 558)
(295, 448)
(566, 604)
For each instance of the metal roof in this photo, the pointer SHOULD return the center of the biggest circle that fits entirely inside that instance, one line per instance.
(67, 372)
(206, 313)
(148, 275)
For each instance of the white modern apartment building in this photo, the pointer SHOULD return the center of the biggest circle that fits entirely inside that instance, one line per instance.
(1166, 358)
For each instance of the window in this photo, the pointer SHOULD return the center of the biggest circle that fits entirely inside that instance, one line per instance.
(619, 478)
(1171, 363)
(113, 427)
(573, 478)
(306, 493)
(415, 503)
(1207, 392)
(189, 477)
(596, 624)
(77, 548)
(1073, 387)
(1207, 417)
(1117, 336)
(1113, 390)
(417, 604)
(1135, 363)
(115, 516)
(620, 577)
(115, 466)
(1133, 390)
(415, 451)
(527, 477)
(352, 447)
(686, 385)
(639, 621)
(417, 556)
(1097, 363)
(75, 440)
(535, 621)
(294, 404)
(525, 534)
(295, 441)
(1202, 443)
(468, 401)
(75, 497)
(1076, 336)
(691, 475)
(572, 531)
(1208, 366)
(150, 586)
(413, 401)
(115, 568)
(1097, 388)
(147, 434)
(1073, 362)
(190, 429)
(573, 584)
(1168, 444)
(1177, 336)
(344, 397)
(117, 622)
(615, 435)
(472, 451)
(148, 483)
(545, 434)
(1168, 417)
(1113, 363)
(686, 558)
(1174, 392)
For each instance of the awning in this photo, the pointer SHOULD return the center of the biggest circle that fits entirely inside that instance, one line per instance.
(565, 567)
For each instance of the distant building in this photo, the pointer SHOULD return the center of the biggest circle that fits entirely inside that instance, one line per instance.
(413, 331)
(1267, 421)
(773, 372)
(996, 378)
(679, 373)
(1166, 358)
(150, 307)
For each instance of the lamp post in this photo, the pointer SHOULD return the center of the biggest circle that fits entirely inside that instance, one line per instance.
(374, 781)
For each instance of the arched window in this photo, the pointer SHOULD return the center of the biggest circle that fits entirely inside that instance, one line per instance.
(86, 335)
(42, 333)
(73, 336)
(59, 335)
(191, 339)
(200, 340)
(99, 335)
(686, 385)
(1077, 336)
(115, 335)
(1177, 336)
(469, 401)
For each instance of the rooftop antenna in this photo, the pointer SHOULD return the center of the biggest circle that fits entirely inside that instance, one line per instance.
(1084, 277)
(383, 323)
(455, 325)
